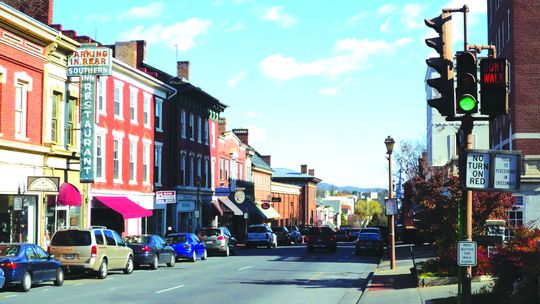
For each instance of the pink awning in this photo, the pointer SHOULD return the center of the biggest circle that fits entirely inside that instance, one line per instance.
(123, 205)
(69, 195)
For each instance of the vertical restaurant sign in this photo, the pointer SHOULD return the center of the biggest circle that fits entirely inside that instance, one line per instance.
(87, 63)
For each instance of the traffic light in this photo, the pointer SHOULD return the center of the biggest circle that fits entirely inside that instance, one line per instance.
(467, 83)
(493, 86)
(442, 64)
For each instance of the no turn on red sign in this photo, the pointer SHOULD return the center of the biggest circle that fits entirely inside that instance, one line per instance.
(490, 170)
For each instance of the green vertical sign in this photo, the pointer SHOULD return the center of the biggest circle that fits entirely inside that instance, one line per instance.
(88, 89)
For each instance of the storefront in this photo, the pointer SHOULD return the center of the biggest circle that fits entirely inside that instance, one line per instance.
(119, 213)
(62, 210)
(18, 218)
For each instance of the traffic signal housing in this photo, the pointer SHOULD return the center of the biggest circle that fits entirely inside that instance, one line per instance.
(493, 86)
(442, 64)
(467, 83)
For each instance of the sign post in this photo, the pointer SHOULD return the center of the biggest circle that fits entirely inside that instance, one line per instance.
(87, 63)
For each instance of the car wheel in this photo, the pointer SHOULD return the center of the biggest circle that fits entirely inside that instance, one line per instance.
(26, 283)
(205, 255)
(129, 266)
(227, 251)
(172, 260)
(193, 257)
(102, 272)
(59, 281)
(155, 264)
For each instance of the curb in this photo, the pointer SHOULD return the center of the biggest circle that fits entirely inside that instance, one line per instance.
(369, 280)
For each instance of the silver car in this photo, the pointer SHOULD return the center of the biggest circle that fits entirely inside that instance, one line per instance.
(218, 239)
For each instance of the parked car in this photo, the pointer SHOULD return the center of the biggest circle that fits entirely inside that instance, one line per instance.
(342, 236)
(296, 236)
(304, 231)
(2, 278)
(368, 242)
(353, 234)
(187, 246)
(371, 230)
(282, 234)
(26, 264)
(261, 235)
(218, 239)
(96, 249)
(150, 250)
(321, 237)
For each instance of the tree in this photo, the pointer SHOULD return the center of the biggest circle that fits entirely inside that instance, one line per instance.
(366, 209)
(406, 158)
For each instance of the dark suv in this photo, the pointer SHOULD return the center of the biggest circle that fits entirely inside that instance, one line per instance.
(321, 237)
(283, 235)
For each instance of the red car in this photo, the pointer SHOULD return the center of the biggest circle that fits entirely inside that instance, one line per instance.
(321, 237)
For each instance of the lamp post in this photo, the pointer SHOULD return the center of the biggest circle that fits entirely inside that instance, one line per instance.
(389, 142)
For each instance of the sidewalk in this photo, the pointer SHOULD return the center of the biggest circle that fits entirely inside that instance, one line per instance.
(397, 286)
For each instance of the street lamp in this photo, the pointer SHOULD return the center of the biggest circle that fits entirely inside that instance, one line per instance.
(389, 142)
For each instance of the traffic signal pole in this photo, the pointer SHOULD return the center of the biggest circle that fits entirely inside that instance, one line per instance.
(466, 131)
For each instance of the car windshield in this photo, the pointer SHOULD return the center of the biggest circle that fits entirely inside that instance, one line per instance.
(278, 229)
(257, 229)
(136, 239)
(370, 230)
(176, 239)
(9, 250)
(209, 232)
(369, 236)
(71, 238)
(320, 231)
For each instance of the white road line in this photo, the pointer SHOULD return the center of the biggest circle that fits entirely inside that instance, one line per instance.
(244, 268)
(169, 289)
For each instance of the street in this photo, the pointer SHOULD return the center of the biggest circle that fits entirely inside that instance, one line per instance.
(287, 274)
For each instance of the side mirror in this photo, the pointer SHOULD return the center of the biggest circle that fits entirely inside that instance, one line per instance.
(51, 256)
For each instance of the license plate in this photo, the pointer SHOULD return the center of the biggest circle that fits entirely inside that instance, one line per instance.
(209, 242)
(69, 256)
(319, 240)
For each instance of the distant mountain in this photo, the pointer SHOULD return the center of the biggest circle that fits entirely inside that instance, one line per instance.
(327, 187)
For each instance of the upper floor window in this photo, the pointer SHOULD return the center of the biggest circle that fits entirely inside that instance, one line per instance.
(508, 24)
(71, 121)
(100, 153)
(133, 105)
(183, 124)
(206, 173)
(146, 162)
(118, 99)
(133, 160)
(158, 152)
(182, 168)
(21, 96)
(191, 126)
(101, 93)
(221, 169)
(199, 129)
(117, 159)
(205, 138)
(158, 122)
(146, 110)
(191, 170)
(213, 135)
(56, 99)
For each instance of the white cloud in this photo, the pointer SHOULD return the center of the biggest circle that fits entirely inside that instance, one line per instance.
(385, 25)
(253, 115)
(274, 14)
(351, 55)
(236, 27)
(328, 91)
(386, 9)
(256, 134)
(182, 34)
(357, 18)
(411, 13)
(403, 41)
(152, 10)
(236, 78)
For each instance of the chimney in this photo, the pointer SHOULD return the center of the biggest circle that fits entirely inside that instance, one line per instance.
(222, 127)
(303, 169)
(312, 172)
(182, 67)
(41, 10)
(267, 159)
(131, 52)
(242, 134)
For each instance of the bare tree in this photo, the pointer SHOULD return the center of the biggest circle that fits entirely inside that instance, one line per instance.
(407, 158)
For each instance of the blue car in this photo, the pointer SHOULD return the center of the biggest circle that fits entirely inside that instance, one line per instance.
(2, 278)
(187, 246)
(26, 264)
(150, 250)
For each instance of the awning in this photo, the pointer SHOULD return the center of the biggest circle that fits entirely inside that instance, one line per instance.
(123, 205)
(227, 202)
(269, 213)
(69, 195)
(218, 207)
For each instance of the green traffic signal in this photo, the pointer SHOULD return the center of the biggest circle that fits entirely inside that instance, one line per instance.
(467, 103)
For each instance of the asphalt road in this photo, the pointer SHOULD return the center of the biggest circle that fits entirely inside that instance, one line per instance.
(287, 274)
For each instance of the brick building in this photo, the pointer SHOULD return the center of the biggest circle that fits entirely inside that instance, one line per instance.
(513, 29)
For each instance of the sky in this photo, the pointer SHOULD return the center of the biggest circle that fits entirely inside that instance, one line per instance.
(321, 83)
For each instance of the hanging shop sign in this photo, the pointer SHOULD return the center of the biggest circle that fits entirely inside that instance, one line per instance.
(42, 183)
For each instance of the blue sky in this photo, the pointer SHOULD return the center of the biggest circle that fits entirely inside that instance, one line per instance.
(320, 83)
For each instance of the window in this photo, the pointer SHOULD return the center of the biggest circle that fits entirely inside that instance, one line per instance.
(191, 170)
(206, 175)
(205, 138)
(118, 97)
(20, 109)
(30, 254)
(199, 129)
(101, 92)
(191, 126)
(508, 24)
(133, 105)
(159, 113)
(146, 162)
(146, 111)
(227, 168)
(71, 120)
(117, 164)
(213, 134)
(56, 98)
(99, 237)
(133, 161)
(100, 148)
(109, 237)
(158, 151)
(515, 215)
(183, 124)
(182, 168)
(199, 168)
(221, 169)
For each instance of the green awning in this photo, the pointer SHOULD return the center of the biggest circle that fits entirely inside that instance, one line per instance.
(269, 213)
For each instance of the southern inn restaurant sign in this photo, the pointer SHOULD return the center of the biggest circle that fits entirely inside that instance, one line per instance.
(87, 63)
